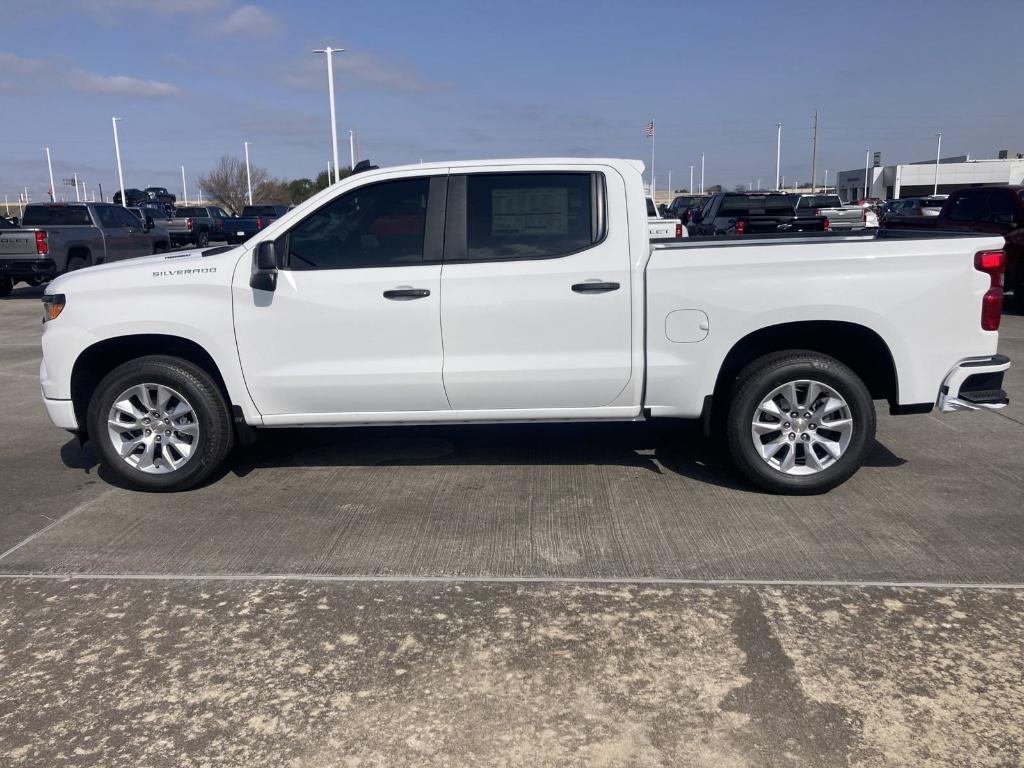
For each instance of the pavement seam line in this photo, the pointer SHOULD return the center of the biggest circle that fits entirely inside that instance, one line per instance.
(81, 507)
(595, 580)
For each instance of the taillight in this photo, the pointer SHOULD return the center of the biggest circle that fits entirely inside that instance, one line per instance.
(42, 247)
(679, 229)
(992, 263)
(741, 227)
(188, 223)
(259, 222)
(827, 226)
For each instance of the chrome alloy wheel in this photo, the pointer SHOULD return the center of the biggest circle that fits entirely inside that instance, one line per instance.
(153, 428)
(802, 427)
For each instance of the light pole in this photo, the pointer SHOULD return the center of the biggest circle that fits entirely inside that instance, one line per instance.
(778, 155)
(938, 154)
(670, 182)
(49, 165)
(330, 89)
(690, 188)
(702, 173)
(352, 148)
(117, 151)
(867, 161)
(184, 189)
(826, 181)
(248, 175)
(78, 198)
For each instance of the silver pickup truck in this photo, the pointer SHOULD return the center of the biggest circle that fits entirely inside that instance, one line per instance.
(840, 217)
(55, 238)
(195, 225)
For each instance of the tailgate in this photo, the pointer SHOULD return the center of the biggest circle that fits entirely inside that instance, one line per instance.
(18, 242)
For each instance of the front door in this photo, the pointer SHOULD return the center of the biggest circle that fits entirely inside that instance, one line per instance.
(535, 291)
(353, 326)
(117, 233)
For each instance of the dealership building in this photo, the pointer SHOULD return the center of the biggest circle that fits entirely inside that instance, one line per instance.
(915, 179)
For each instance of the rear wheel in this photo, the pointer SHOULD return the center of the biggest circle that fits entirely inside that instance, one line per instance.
(203, 239)
(160, 424)
(78, 262)
(800, 422)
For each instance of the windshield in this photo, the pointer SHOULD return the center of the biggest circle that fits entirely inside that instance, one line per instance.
(757, 205)
(820, 201)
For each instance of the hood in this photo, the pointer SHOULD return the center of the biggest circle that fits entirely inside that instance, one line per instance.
(161, 269)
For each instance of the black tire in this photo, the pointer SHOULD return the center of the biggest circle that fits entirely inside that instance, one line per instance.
(78, 262)
(160, 247)
(203, 239)
(216, 433)
(6, 286)
(756, 382)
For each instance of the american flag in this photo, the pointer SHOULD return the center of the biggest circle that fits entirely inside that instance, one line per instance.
(649, 129)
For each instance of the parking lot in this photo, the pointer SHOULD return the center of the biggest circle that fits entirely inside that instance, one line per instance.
(590, 594)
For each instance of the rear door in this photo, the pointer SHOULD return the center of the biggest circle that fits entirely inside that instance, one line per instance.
(535, 291)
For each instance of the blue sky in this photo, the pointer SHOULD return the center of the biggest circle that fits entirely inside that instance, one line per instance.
(193, 79)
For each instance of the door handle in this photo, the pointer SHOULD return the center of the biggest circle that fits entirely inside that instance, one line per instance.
(595, 287)
(404, 294)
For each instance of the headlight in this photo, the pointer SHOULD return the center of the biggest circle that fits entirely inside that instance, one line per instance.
(53, 305)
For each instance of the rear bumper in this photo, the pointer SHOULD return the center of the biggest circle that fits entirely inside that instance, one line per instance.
(975, 383)
(23, 269)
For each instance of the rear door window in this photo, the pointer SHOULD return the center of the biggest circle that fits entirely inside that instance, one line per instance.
(530, 215)
(1000, 208)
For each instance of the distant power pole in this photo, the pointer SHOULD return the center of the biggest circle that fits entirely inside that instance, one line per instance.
(702, 173)
(814, 153)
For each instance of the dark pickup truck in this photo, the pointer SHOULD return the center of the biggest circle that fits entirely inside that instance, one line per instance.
(991, 210)
(253, 219)
(749, 213)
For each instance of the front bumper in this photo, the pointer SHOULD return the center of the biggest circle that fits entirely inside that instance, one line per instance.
(28, 269)
(975, 383)
(61, 413)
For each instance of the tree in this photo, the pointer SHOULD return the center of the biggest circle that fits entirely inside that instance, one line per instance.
(227, 186)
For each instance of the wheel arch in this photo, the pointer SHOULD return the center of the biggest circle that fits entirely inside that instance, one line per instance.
(99, 359)
(860, 348)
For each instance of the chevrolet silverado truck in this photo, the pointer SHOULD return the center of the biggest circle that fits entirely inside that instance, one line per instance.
(752, 213)
(196, 225)
(55, 238)
(252, 219)
(659, 228)
(520, 291)
(839, 216)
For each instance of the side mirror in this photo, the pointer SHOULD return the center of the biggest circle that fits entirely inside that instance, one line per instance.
(264, 267)
(149, 222)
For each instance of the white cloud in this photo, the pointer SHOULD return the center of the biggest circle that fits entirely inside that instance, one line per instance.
(248, 21)
(122, 85)
(45, 73)
(357, 67)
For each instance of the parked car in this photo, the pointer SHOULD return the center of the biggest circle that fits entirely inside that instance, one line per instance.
(914, 212)
(62, 237)
(659, 228)
(494, 291)
(135, 197)
(252, 219)
(682, 206)
(995, 211)
(7, 223)
(745, 213)
(161, 196)
(840, 217)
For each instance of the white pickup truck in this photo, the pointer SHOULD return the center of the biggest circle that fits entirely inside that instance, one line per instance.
(512, 291)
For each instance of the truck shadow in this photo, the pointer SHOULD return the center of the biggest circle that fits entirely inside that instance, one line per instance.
(676, 447)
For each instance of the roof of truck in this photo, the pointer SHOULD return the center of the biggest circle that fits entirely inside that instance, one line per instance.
(637, 164)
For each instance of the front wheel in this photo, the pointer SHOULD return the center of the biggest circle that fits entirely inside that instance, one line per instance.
(160, 424)
(800, 422)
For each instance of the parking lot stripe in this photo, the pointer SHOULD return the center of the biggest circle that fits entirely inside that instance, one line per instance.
(63, 518)
(583, 580)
